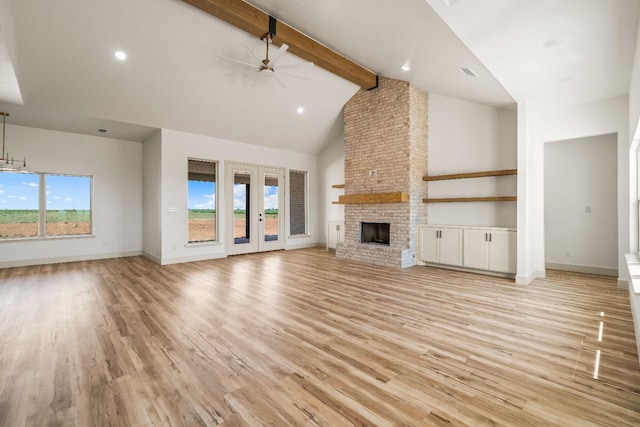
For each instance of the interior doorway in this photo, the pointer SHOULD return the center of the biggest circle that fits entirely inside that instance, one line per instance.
(581, 205)
(255, 207)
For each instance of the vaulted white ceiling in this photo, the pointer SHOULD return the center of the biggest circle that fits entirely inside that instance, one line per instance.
(61, 57)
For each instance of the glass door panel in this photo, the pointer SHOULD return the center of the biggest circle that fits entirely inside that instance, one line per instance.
(241, 207)
(271, 207)
(255, 208)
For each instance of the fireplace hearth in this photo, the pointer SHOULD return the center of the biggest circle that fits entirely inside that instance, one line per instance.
(375, 232)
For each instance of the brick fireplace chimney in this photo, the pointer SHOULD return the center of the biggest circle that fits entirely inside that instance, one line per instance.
(385, 150)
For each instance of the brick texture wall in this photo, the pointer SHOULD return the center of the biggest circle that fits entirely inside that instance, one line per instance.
(385, 132)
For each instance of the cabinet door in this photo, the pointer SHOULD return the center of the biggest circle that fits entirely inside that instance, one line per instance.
(428, 244)
(502, 251)
(476, 249)
(451, 246)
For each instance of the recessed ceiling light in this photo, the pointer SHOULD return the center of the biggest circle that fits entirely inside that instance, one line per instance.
(406, 67)
(565, 79)
(467, 71)
(553, 42)
(120, 55)
(300, 110)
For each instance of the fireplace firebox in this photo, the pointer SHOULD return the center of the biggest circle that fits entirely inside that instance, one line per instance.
(374, 232)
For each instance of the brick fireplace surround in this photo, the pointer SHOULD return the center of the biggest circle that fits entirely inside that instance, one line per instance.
(385, 132)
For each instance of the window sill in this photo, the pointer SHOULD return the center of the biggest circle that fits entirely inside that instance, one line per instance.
(200, 244)
(41, 239)
(299, 236)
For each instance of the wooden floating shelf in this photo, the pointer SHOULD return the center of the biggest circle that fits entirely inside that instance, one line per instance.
(368, 198)
(472, 199)
(337, 186)
(471, 175)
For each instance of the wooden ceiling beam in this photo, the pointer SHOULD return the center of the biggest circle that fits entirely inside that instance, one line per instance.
(256, 22)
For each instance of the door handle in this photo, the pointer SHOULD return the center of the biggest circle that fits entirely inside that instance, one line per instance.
(490, 237)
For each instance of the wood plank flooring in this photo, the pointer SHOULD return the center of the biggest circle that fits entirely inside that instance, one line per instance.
(302, 338)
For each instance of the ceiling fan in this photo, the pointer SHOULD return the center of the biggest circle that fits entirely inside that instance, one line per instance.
(267, 67)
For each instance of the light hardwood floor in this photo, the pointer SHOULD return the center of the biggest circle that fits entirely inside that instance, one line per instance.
(302, 338)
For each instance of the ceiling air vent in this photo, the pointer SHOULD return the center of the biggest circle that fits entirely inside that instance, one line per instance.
(467, 71)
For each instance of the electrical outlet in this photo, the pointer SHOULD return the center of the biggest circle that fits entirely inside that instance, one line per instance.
(587, 209)
(567, 253)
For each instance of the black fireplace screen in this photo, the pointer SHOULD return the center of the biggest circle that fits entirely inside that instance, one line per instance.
(374, 232)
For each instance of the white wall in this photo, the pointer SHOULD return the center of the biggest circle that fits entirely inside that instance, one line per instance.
(116, 167)
(465, 136)
(177, 147)
(330, 172)
(580, 199)
(634, 93)
(544, 123)
(634, 143)
(152, 197)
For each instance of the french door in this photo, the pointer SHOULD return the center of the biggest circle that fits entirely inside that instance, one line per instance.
(255, 206)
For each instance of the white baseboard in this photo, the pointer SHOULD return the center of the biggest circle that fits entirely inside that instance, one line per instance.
(464, 270)
(602, 271)
(74, 258)
(623, 284)
(525, 280)
(152, 257)
(192, 258)
(303, 246)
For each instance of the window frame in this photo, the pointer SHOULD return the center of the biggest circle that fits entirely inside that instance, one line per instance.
(216, 240)
(42, 210)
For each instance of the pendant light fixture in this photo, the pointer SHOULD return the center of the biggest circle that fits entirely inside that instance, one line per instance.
(6, 164)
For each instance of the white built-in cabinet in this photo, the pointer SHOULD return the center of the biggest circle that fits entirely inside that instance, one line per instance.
(490, 249)
(441, 245)
(335, 234)
(478, 248)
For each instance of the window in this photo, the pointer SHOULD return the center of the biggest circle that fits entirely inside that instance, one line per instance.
(297, 203)
(68, 201)
(19, 211)
(40, 205)
(202, 200)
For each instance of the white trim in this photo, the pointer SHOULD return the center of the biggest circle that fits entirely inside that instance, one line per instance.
(467, 270)
(58, 260)
(525, 280)
(602, 271)
(304, 246)
(299, 236)
(192, 258)
(203, 243)
(152, 257)
(45, 238)
(623, 284)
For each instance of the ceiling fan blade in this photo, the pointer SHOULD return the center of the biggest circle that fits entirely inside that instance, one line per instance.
(279, 81)
(238, 61)
(253, 55)
(292, 66)
(241, 73)
(292, 75)
(278, 54)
